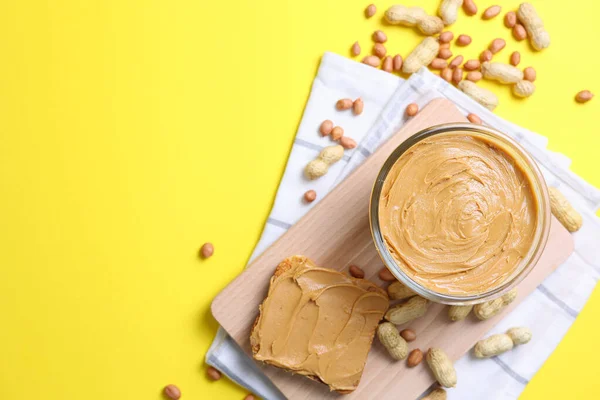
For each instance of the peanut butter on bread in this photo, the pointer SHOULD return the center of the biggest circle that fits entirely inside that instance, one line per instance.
(318, 322)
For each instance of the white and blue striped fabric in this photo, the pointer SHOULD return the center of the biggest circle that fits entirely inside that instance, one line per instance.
(549, 311)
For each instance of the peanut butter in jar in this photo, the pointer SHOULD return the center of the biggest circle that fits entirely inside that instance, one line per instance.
(459, 214)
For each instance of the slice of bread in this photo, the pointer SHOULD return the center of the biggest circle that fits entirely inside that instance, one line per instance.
(318, 322)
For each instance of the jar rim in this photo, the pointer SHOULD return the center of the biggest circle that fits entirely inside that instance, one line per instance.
(539, 190)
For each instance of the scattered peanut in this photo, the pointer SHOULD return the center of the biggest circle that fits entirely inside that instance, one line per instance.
(474, 76)
(456, 61)
(529, 74)
(356, 272)
(515, 58)
(500, 343)
(357, 106)
(337, 132)
(414, 308)
(457, 75)
(412, 109)
(493, 345)
(485, 55)
(397, 62)
(437, 394)
(326, 127)
(355, 50)
(370, 10)
(523, 88)
(348, 142)
(442, 367)
(319, 166)
(421, 55)
(528, 16)
(414, 358)
(463, 40)
(519, 32)
(445, 54)
(497, 45)
(449, 10)
(503, 73)
(444, 46)
(373, 61)
(408, 334)
(438, 63)
(172, 392)
(584, 96)
(490, 308)
(310, 196)
(414, 16)
(399, 291)
(389, 337)
(470, 7)
(491, 12)
(458, 313)
(379, 36)
(472, 65)
(520, 335)
(483, 96)
(388, 64)
(379, 50)
(446, 37)
(510, 19)
(207, 250)
(564, 211)
(446, 74)
(249, 396)
(343, 104)
(385, 275)
(213, 374)
(510, 296)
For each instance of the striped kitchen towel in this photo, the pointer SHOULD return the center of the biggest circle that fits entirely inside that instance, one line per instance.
(549, 311)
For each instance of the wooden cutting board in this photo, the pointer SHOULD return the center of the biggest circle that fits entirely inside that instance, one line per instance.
(335, 234)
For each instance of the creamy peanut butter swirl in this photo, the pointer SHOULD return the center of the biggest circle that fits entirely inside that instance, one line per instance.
(457, 213)
(318, 322)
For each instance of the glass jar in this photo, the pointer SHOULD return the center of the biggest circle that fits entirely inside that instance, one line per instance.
(538, 188)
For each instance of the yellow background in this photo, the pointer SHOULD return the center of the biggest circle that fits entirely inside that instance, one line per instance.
(133, 131)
